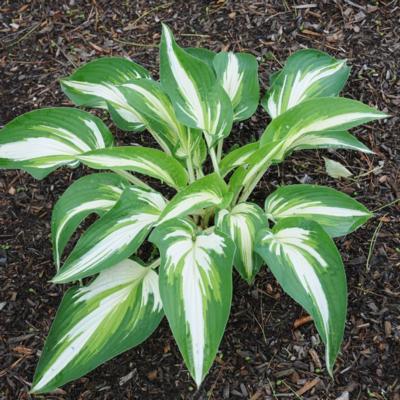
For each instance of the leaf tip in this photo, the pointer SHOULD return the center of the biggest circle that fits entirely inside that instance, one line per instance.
(329, 369)
(165, 28)
(57, 279)
(34, 388)
(198, 380)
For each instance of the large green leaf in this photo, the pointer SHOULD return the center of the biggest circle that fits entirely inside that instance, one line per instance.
(94, 323)
(257, 163)
(235, 184)
(237, 157)
(238, 75)
(144, 160)
(204, 55)
(329, 140)
(199, 101)
(42, 140)
(336, 212)
(95, 193)
(196, 289)
(193, 146)
(115, 236)
(157, 113)
(307, 74)
(318, 115)
(210, 191)
(241, 224)
(94, 85)
(307, 264)
(316, 119)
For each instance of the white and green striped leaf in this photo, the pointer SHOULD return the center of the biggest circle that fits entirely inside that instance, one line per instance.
(307, 74)
(95, 193)
(330, 140)
(210, 191)
(144, 160)
(336, 212)
(42, 140)
(257, 163)
(155, 110)
(95, 85)
(241, 224)
(318, 119)
(196, 289)
(238, 75)
(318, 115)
(204, 55)
(192, 145)
(199, 101)
(237, 157)
(157, 113)
(117, 311)
(235, 184)
(115, 236)
(308, 266)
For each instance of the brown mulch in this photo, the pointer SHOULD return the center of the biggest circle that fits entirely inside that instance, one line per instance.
(269, 349)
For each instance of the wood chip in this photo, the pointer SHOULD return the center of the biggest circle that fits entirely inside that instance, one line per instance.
(256, 395)
(285, 372)
(312, 33)
(127, 377)
(152, 375)
(22, 350)
(315, 358)
(388, 328)
(308, 386)
(302, 321)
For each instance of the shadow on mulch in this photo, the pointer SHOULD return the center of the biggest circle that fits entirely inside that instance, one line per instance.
(262, 355)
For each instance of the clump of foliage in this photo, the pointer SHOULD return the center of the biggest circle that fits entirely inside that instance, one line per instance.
(207, 227)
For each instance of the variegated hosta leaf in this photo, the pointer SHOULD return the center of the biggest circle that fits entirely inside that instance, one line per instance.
(155, 110)
(307, 264)
(272, 78)
(147, 161)
(94, 85)
(336, 212)
(237, 157)
(235, 182)
(238, 75)
(157, 113)
(115, 236)
(241, 224)
(42, 140)
(318, 115)
(205, 192)
(199, 101)
(196, 289)
(117, 311)
(95, 193)
(330, 140)
(253, 168)
(204, 55)
(307, 73)
(194, 146)
(258, 162)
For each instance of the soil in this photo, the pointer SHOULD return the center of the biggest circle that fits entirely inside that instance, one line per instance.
(269, 349)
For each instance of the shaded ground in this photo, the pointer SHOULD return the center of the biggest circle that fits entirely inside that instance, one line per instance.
(262, 355)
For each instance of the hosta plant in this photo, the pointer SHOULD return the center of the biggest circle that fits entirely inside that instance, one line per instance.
(206, 226)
